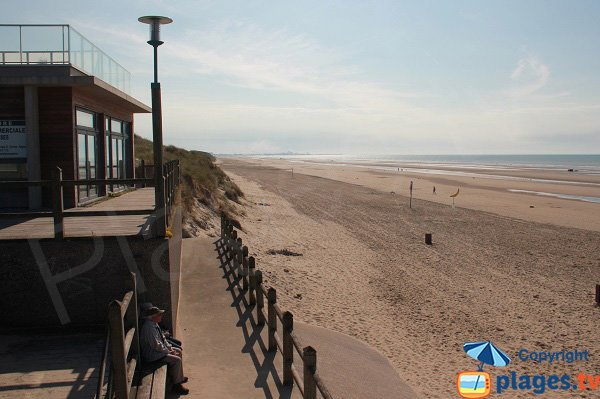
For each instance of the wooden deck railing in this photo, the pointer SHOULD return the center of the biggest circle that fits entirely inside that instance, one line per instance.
(244, 269)
(171, 179)
(122, 343)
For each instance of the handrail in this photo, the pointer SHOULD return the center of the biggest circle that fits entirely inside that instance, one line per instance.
(288, 342)
(102, 371)
(123, 342)
(171, 181)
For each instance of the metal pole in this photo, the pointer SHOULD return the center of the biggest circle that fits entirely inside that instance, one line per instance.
(155, 64)
(20, 44)
(159, 189)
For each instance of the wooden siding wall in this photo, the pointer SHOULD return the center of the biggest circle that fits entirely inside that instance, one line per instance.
(12, 102)
(57, 142)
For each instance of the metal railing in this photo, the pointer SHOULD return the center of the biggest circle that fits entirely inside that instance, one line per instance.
(288, 342)
(59, 44)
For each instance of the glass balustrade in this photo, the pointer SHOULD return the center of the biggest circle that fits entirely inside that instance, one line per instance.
(59, 44)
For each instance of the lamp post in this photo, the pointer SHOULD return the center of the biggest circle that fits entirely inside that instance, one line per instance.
(157, 139)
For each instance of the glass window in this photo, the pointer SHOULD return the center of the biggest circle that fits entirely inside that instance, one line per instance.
(121, 168)
(115, 147)
(82, 164)
(115, 158)
(84, 119)
(82, 158)
(92, 155)
(87, 151)
(116, 126)
(107, 152)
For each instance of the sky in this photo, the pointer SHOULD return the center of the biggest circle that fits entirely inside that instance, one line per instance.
(356, 77)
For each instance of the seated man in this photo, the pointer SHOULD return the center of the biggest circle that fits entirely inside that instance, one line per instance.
(155, 348)
(177, 344)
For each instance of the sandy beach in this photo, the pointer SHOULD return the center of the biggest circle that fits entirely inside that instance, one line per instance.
(485, 189)
(499, 270)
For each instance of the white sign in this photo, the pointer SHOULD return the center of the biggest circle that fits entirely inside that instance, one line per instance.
(13, 140)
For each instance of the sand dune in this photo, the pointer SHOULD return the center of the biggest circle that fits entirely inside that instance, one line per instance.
(365, 271)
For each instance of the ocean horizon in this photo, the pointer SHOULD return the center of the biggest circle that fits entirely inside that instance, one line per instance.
(580, 162)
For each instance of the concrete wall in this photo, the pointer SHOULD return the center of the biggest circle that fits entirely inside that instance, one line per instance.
(48, 283)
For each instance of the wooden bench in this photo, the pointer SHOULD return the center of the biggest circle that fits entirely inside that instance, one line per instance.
(151, 384)
(123, 349)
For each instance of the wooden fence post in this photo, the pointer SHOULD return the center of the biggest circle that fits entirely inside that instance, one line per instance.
(58, 205)
(227, 244)
(131, 315)
(288, 348)
(272, 318)
(245, 268)
(310, 368)
(232, 253)
(251, 275)
(260, 299)
(143, 167)
(222, 225)
(428, 239)
(230, 231)
(239, 254)
(119, 361)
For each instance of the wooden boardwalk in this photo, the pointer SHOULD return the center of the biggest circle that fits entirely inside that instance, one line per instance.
(88, 226)
(50, 366)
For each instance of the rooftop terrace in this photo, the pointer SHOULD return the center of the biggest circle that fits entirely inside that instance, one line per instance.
(59, 45)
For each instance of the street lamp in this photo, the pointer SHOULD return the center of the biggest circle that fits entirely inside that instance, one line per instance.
(159, 187)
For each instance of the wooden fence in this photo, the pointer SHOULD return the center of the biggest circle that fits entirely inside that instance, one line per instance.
(287, 342)
(121, 352)
(171, 179)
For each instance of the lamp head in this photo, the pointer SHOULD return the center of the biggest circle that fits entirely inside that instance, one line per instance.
(155, 22)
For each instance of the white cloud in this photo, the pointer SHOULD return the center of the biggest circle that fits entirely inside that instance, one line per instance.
(529, 76)
(243, 55)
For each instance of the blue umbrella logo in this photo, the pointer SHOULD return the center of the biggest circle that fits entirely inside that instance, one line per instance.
(486, 353)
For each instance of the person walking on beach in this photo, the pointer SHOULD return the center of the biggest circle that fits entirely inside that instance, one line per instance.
(433, 190)
(156, 349)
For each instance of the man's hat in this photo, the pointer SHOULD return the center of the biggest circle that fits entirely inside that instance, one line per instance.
(149, 310)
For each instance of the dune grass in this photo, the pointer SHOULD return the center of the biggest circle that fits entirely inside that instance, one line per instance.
(202, 181)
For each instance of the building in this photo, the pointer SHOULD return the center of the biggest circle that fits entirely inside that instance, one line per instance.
(65, 103)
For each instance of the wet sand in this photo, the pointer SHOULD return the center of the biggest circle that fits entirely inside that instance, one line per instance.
(366, 271)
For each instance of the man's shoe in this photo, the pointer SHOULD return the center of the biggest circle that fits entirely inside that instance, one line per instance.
(180, 389)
